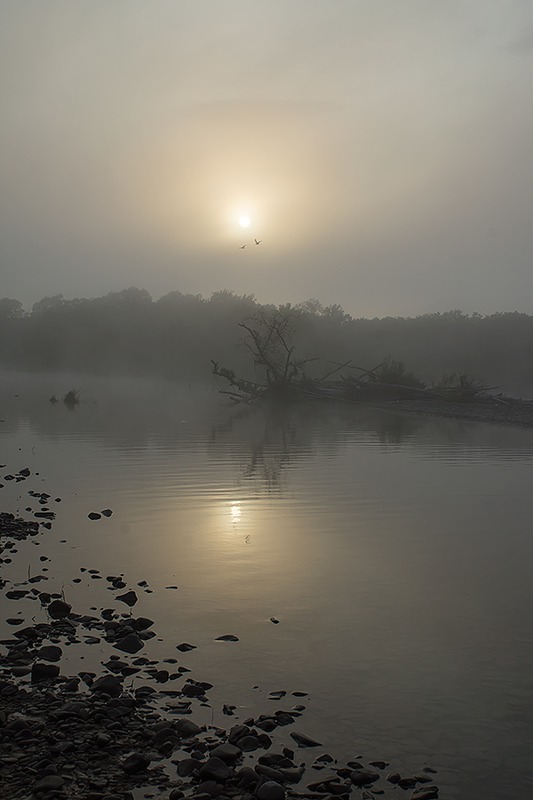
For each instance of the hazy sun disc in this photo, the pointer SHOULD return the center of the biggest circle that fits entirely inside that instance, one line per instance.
(244, 222)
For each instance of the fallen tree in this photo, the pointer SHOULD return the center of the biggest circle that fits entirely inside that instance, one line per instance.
(283, 376)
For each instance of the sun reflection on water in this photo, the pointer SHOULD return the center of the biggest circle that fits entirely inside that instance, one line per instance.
(235, 512)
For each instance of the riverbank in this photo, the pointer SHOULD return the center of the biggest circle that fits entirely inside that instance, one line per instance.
(133, 728)
(515, 412)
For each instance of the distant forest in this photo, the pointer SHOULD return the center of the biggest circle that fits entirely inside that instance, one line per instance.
(177, 336)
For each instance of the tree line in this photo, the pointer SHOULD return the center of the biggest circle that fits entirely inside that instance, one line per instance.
(177, 335)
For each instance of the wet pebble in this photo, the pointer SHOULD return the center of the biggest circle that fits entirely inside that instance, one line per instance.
(129, 598)
(50, 653)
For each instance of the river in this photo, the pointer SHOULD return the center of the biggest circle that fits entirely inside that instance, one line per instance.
(395, 552)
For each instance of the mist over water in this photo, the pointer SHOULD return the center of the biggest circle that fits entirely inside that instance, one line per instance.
(395, 552)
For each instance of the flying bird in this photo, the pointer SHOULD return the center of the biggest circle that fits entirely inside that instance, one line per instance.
(258, 241)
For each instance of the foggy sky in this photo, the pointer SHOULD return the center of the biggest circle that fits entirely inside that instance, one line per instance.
(382, 149)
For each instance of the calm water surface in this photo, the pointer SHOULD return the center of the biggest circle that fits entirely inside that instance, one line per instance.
(396, 553)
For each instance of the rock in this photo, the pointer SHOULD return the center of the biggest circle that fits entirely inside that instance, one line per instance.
(304, 741)
(407, 783)
(50, 653)
(106, 512)
(49, 783)
(215, 769)
(136, 762)
(94, 515)
(184, 647)
(193, 690)
(58, 609)
(361, 777)
(252, 742)
(187, 767)
(187, 728)
(270, 790)
(425, 793)
(129, 644)
(292, 774)
(41, 672)
(393, 777)
(421, 778)
(176, 794)
(130, 598)
(274, 620)
(142, 624)
(227, 637)
(14, 620)
(227, 752)
(16, 594)
(267, 724)
(269, 772)
(20, 672)
(108, 684)
(379, 764)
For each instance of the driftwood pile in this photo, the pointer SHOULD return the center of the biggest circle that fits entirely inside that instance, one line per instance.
(283, 376)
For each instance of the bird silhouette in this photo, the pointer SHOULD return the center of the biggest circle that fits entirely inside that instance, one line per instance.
(242, 247)
(258, 241)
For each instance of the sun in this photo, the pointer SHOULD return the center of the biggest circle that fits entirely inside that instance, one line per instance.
(244, 222)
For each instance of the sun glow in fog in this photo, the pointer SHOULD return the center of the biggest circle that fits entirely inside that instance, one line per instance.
(244, 221)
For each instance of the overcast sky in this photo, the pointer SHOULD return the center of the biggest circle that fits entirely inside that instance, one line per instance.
(381, 148)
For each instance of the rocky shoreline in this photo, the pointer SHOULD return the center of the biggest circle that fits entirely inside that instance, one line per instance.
(128, 730)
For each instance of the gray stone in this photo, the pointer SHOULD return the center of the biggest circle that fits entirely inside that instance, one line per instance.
(109, 684)
(216, 769)
(58, 609)
(187, 766)
(50, 653)
(187, 728)
(270, 790)
(130, 598)
(425, 793)
(269, 772)
(41, 672)
(136, 762)
(49, 783)
(303, 740)
(129, 644)
(227, 752)
(362, 777)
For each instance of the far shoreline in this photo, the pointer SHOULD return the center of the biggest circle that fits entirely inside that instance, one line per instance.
(518, 413)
